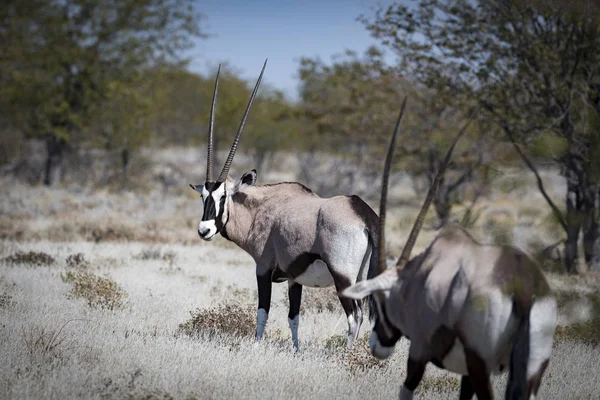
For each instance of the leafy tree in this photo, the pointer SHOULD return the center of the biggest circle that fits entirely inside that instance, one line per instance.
(532, 66)
(354, 102)
(61, 59)
(181, 104)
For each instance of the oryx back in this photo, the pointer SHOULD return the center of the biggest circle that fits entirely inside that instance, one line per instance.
(303, 237)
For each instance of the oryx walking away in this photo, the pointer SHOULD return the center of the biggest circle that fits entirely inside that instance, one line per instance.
(291, 233)
(469, 308)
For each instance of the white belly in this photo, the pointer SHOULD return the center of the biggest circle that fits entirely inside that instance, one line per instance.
(316, 275)
(455, 361)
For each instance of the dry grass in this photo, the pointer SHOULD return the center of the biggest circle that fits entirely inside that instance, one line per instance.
(143, 248)
(46, 342)
(155, 347)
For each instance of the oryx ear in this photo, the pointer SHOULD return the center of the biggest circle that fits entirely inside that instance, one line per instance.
(247, 180)
(197, 188)
(362, 289)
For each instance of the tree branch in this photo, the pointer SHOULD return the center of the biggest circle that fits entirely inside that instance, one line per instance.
(559, 216)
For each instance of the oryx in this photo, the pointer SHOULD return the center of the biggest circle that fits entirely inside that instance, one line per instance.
(291, 233)
(469, 308)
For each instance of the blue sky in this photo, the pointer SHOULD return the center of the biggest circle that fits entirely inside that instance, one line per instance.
(244, 33)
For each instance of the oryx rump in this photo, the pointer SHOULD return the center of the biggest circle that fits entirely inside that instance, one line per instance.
(469, 308)
(291, 233)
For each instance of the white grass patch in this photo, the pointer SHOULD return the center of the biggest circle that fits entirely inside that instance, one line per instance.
(136, 351)
(168, 273)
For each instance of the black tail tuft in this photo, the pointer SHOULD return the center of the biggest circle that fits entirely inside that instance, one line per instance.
(519, 357)
(372, 273)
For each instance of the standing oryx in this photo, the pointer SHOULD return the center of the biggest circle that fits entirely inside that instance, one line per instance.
(291, 233)
(469, 308)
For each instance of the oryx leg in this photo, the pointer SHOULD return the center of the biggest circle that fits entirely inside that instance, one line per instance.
(352, 309)
(479, 375)
(542, 326)
(414, 373)
(466, 389)
(295, 296)
(533, 384)
(264, 303)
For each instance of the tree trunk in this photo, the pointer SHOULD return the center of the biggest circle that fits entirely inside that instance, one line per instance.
(591, 237)
(54, 148)
(124, 162)
(573, 227)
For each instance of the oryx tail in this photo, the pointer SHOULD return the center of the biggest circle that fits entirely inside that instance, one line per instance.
(519, 357)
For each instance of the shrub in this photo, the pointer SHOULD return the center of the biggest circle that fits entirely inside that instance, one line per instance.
(111, 233)
(77, 261)
(359, 359)
(5, 300)
(156, 254)
(33, 257)
(228, 318)
(583, 332)
(97, 291)
(148, 254)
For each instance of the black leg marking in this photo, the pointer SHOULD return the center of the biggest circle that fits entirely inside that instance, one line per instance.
(295, 296)
(264, 291)
(264, 303)
(466, 390)
(480, 378)
(414, 373)
(349, 305)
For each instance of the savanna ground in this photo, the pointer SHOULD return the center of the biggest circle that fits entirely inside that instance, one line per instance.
(111, 294)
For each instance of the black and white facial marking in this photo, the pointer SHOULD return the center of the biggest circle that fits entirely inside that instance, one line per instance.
(214, 217)
(214, 197)
(384, 335)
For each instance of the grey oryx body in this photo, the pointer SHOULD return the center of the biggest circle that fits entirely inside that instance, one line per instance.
(292, 234)
(469, 308)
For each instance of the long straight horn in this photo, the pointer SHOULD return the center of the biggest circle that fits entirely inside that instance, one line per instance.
(412, 238)
(209, 158)
(384, 188)
(225, 170)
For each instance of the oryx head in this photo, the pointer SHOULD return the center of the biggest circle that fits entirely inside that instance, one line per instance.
(384, 334)
(215, 193)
